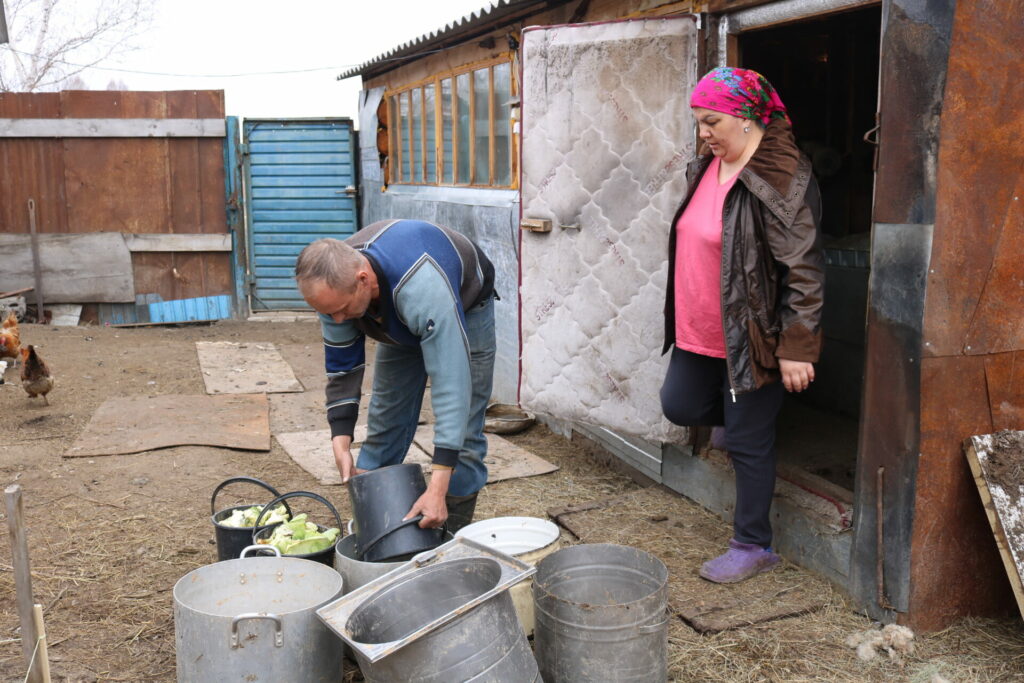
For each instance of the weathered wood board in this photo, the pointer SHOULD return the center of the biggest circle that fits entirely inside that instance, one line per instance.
(133, 424)
(245, 368)
(677, 532)
(997, 463)
(76, 268)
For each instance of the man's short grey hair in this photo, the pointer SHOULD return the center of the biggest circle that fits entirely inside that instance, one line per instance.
(329, 261)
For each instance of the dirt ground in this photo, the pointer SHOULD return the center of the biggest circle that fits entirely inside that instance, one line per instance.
(109, 536)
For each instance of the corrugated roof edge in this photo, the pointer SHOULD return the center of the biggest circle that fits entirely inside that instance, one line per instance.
(494, 10)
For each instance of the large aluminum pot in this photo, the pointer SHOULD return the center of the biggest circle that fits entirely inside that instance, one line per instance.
(601, 615)
(253, 619)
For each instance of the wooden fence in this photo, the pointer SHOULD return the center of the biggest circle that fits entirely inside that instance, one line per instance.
(148, 166)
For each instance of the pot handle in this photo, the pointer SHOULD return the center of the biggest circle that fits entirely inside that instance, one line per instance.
(278, 636)
(362, 550)
(258, 548)
(306, 494)
(235, 480)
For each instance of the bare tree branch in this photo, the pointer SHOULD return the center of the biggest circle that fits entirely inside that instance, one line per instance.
(54, 40)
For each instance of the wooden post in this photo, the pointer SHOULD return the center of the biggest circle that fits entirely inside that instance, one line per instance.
(36, 269)
(22, 579)
(42, 655)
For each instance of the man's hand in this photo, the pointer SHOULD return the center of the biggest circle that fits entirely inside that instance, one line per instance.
(796, 375)
(431, 504)
(342, 446)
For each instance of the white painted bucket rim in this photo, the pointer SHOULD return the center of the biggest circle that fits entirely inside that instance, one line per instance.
(512, 535)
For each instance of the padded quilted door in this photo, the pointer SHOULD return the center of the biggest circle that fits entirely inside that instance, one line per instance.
(607, 134)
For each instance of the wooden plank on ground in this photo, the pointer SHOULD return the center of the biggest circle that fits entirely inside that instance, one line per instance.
(133, 424)
(683, 536)
(246, 368)
(75, 268)
(997, 463)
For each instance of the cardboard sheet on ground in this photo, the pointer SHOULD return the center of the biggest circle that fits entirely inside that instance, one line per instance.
(505, 460)
(683, 536)
(246, 368)
(134, 424)
(997, 463)
(312, 452)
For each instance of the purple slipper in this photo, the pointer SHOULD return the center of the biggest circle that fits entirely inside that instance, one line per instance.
(739, 563)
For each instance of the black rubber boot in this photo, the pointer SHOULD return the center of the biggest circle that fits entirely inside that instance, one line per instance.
(460, 511)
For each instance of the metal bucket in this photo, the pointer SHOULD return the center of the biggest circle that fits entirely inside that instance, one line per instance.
(444, 617)
(231, 540)
(357, 573)
(529, 539)
(324, 556)
(380, 499)
(253, 619)
(601, 615)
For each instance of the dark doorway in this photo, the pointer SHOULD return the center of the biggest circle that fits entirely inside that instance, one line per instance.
(826, 71)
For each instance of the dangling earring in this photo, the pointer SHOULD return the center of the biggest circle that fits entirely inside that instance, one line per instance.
(746, 129)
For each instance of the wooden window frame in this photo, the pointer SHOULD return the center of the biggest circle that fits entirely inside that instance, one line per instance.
(418, 89)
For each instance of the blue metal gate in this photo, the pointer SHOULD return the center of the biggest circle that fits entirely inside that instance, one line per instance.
(300, 185)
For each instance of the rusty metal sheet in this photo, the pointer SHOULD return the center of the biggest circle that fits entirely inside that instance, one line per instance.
(889, 430)
(915, 44)
(1004, 377)
(952, 544)
(975, 292)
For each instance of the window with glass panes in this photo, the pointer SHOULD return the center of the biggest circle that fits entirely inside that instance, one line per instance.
(455, 129)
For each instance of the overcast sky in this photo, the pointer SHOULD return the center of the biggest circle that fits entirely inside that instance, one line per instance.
(203, 37)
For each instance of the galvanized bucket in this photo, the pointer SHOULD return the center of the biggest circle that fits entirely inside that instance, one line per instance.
(252, 619)
(444, 617)
(601, 615)
(529, 539)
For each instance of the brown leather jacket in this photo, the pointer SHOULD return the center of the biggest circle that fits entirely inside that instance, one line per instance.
(773, 276)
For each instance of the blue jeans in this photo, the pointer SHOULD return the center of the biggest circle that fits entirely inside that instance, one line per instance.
(399, 381)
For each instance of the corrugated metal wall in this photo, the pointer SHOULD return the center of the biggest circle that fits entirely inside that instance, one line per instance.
(297, 172)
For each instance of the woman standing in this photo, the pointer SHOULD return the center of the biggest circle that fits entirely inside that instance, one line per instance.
(743, 306)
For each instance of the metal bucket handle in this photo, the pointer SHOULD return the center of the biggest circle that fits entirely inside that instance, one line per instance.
(235, 480)
(278, 636)
(306, 494)
(362, 550)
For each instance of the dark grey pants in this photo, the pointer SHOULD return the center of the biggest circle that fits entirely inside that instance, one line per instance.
(696, 393)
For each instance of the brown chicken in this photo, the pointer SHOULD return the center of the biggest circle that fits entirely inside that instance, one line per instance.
(35, 375)
(10, 339)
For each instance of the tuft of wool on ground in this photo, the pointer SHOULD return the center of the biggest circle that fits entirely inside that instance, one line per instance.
(893, 639)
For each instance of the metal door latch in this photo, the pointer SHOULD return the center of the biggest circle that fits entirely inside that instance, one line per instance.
(535, 224)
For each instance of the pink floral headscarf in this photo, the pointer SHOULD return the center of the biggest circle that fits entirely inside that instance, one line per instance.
(739, 92)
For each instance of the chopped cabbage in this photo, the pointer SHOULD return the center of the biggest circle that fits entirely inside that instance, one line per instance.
(247, 518)
(299, 537)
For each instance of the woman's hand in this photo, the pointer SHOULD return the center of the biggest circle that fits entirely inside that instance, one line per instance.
(796, 375)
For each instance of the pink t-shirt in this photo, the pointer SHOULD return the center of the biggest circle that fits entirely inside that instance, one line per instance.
(698, 267)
